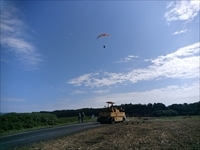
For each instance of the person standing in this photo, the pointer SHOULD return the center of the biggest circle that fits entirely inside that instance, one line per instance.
(82, 116)
(79, 117)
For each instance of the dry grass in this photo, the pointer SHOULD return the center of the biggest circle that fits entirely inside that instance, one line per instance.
(168, 134)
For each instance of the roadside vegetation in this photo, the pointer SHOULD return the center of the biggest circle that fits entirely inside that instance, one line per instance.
(17, 122)
(156, 133)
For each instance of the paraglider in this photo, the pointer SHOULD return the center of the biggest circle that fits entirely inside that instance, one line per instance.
(104, 35)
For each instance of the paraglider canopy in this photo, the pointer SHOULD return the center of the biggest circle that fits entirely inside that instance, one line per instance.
(104, 34)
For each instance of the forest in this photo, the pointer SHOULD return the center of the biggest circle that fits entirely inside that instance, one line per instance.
(19, 121)
(151, 110)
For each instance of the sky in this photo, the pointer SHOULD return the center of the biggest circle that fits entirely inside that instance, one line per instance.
(51, 58)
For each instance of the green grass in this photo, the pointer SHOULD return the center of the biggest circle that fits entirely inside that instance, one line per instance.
(174, 118)
(61, 122)
(170, 118)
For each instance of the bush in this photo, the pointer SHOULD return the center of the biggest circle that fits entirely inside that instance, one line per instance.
(18, 121)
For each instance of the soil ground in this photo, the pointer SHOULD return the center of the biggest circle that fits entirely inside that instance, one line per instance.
(168, 133)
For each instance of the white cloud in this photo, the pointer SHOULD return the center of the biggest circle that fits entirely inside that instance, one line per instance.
(98, 79)
(15, 39)
(101, 91)
(183, 63)
(78, 92)
(127, 59)
(82, 79)
(179, 32)
(11, 99)
(185, 93)
(184, 10)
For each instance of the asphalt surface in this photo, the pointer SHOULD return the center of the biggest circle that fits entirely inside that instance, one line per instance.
(13, 140)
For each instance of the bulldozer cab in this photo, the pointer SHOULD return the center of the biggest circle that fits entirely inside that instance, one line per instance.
(110, 103)
(110, 106)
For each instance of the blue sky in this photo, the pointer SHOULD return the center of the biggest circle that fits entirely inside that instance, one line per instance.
(51, 58)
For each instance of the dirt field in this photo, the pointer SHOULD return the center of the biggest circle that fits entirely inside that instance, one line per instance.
(152, 134)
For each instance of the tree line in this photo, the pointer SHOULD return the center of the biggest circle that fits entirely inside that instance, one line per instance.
(151, 110)
(159, 109)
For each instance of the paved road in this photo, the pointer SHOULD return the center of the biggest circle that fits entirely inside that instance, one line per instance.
(9, 141)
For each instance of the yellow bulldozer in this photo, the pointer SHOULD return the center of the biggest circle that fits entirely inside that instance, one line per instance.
(111, 114)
